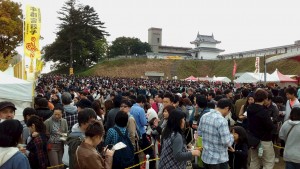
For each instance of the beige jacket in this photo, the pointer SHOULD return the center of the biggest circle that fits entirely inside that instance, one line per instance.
(87, 157)
(131, 127)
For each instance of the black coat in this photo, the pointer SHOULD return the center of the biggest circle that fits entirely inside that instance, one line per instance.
(259, 122)
(238, 159)
(44, 113)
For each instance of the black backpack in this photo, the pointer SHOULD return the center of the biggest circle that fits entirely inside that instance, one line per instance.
(123, 158)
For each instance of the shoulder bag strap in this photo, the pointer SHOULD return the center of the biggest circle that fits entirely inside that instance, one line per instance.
(289, 131)
(118, 131)
(77, 157)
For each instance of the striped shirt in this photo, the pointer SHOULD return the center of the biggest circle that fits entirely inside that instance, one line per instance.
(213, 128)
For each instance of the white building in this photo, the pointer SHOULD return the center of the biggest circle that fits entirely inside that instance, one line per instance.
(205, 47)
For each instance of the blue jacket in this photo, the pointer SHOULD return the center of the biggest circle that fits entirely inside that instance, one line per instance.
(17, 161)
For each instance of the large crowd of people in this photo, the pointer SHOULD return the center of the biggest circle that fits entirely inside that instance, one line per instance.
(79, 122)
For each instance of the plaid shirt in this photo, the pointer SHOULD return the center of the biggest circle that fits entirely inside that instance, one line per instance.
(37, 147)
(72, 118)
(112, 135)
(213, 128)
(167, 160)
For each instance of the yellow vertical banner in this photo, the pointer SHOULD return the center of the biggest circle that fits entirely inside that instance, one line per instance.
(39, 65)
(32, 35)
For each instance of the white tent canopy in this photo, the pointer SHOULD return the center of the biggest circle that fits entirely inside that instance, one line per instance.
(221, 79)
(16, 91)
(252, 78)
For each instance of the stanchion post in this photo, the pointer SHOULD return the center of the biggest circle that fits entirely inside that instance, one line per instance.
(147, 161)
(156, 152)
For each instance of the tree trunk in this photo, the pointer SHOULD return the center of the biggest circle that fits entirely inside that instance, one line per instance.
(71, 54)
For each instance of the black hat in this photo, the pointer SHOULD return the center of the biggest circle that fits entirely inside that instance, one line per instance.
(84, 103)
(5, 104)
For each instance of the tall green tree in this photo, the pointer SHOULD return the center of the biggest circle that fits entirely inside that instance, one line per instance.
(81, 37)
(128, 46)
(10, 29)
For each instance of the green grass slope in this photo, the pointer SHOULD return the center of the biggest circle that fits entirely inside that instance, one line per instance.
(136, 68)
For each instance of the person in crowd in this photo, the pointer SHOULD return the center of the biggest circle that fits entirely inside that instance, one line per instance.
(279, 101)
(153, 104)
(83, 103)
(289, 132)
(70, 112)
(108, 105)
(243, 111)
(55, 100)
(150, 112)
(110, 119)
(96, 105)
(56, 126)
(238, 152)
(292, 100)
(188, 106)
(86, 154)
(85, 117)
(261, 126)
(231, 117)
(191, 95)
(174, 153)
(10, 137)
(27, 113)
(239, 103)
(166, 113)
(214, 130)
(168, 99)
(138, 112)
(7, 110)
(159, 103)
(131, 124)
(37, 146)
(273, 111)
(112, 137)
(42, 109)
(211, 98)
(200, 109)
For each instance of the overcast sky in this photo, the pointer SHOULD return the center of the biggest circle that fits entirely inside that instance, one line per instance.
(239, 24)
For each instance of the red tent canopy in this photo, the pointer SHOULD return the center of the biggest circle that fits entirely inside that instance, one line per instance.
(191, 78)
(283, 78)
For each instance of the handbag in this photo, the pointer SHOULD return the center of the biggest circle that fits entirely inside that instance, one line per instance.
(65, 158)
(253, 141)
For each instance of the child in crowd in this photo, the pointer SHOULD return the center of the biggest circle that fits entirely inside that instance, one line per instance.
(238, 153)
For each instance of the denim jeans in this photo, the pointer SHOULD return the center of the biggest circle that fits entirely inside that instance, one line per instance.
(216, 166)
(291, 165)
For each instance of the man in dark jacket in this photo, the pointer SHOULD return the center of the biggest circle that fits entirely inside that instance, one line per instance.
(42, 109)
(261, 126)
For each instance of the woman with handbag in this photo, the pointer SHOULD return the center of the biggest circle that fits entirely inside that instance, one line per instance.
(174, 152)
(55, 127)
(289, 132)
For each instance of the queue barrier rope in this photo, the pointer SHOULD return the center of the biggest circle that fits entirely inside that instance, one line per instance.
(143, 149)
(154, 159)
(276, 146)
(56, 166)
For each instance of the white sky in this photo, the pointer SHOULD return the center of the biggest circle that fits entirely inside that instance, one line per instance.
(239, 24)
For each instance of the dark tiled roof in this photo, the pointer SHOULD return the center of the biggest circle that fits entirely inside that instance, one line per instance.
(206, 38)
